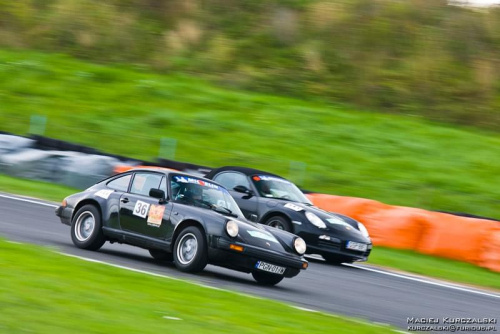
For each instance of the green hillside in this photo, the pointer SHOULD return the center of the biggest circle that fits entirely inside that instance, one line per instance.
(414, 57)
(324, 147)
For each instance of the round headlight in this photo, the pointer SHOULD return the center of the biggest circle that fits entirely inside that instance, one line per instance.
(300, 245)
(315, 220)
(363, 230)
(232, 228)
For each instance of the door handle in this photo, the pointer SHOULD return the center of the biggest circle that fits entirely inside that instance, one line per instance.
(124, 200)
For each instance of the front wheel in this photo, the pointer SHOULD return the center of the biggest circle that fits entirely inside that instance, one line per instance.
(280, 223)
(266, 278)
(86, 228)
(190, 250)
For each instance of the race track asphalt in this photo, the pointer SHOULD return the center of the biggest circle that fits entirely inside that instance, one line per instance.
(376, 296)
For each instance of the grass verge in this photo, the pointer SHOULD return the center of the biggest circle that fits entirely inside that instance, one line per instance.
(324, 147)
(409, 261)
(39, 189)
(45, 292)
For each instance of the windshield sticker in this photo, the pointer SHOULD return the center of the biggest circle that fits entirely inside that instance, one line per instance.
(272, 178)
(186, 179)
(293, 207)
(337, 221)
(104, 193)
(156, 215)
(262, 235)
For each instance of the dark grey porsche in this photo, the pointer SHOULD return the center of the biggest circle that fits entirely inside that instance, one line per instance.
(182, 218)
(274, 201)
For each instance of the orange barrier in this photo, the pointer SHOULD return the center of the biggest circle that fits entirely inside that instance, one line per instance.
(454, 237)
(396, 227)
(388, 225)
(471, 240)
(490, 252)
(349, 206)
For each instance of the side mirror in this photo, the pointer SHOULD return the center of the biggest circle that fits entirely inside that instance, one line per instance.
(253, 218)
(157, 193)
(244, 190)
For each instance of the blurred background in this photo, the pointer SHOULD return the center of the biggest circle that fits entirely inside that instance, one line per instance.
(395, 101)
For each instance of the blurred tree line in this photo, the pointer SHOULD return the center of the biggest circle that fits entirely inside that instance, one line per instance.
(417, 57)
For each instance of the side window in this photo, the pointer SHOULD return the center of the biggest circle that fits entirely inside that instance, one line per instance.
(121, 183)
(230, 180)
(143, 182)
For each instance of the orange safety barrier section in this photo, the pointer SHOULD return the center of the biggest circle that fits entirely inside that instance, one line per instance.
(490, 253)
(471, 240)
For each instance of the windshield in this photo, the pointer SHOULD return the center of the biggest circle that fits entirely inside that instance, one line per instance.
(193, 191)
(275, 187)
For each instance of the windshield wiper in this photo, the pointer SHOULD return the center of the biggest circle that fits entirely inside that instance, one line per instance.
(224, 210)
(283, 199)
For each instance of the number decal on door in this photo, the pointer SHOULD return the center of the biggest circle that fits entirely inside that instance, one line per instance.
(141, 209)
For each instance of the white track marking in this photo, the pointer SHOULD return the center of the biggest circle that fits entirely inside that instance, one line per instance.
(171, 318)
(29, 200)
(305, 309)
(426, 281)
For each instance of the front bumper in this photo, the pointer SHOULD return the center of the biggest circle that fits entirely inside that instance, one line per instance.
(319, 244)
(222, 255)
(64, 213)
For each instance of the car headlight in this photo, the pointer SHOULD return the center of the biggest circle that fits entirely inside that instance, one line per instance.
(300, 245)
(232, 228)
(315, 220)
(363, 230)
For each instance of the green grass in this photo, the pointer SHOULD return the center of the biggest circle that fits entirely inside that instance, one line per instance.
(127, 110)
(446, 269)
(45, 190)
(401, 260)
(44, 292)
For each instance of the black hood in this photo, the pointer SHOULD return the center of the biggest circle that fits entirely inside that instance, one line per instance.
(338, 224)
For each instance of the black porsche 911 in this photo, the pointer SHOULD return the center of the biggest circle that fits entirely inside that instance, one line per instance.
(187, 219)
(272, 200)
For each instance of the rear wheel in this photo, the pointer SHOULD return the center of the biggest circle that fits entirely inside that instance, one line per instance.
(190, 250)
(336, 259)
(86, 228)
(266, 278)
(280, 223)
(161, 255)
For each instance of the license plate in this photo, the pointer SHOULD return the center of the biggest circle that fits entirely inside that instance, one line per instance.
(356, 246)
(261, 265)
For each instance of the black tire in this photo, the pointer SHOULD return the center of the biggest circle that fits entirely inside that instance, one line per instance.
(336, 259)
(161, 255)
(86, 228)
(185, 258)
(266, 278)
(279, 223)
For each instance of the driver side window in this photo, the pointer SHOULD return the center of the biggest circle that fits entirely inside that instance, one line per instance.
(231, 179)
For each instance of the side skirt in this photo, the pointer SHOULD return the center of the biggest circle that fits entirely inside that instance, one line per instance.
(134, 239)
